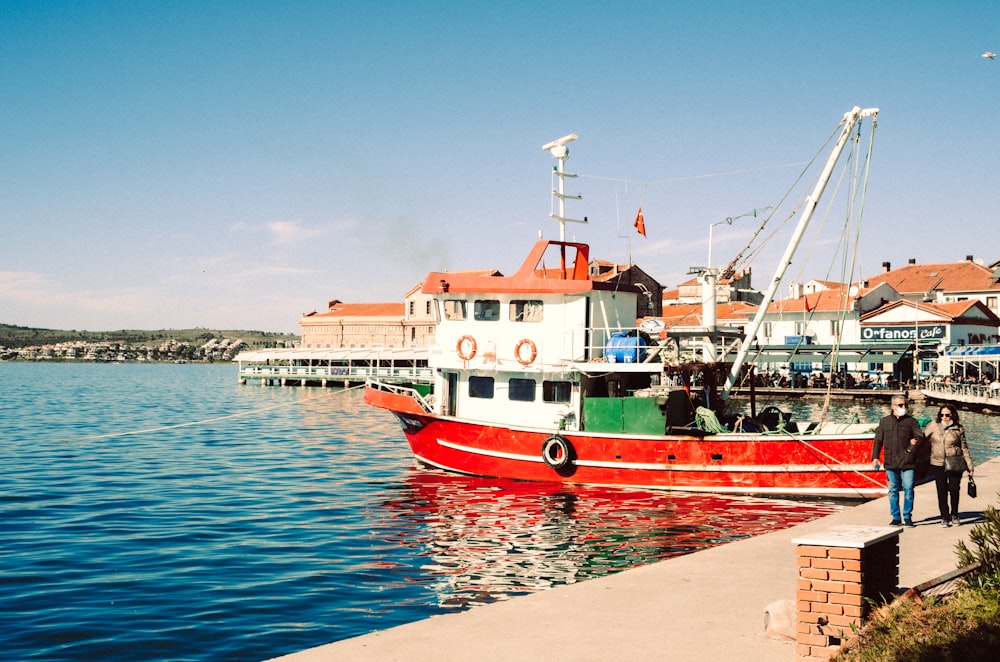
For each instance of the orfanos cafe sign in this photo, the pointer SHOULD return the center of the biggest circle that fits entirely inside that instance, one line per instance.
(897, 333)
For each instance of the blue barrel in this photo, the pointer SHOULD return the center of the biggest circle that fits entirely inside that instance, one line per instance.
(625, 348)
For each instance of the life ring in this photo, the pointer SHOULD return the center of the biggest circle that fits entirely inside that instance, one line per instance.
(557, 452)
(531, 356)
(460, 347)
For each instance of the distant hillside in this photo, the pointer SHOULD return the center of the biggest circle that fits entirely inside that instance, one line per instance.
(20, 336)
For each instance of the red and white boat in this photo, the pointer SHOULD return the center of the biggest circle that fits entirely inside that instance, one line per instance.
(542, 375)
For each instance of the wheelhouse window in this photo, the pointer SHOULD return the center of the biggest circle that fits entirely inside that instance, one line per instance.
(522, 390)
(556, 391)
(526, 311)
(481, 387)
(486, 310)
(456, 309)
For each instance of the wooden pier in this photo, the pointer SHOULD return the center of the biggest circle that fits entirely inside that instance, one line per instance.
(334, 367)
(977, 397)
(819, 393)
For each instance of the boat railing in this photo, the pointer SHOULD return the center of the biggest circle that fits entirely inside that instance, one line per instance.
(613, 344)
(407, 391)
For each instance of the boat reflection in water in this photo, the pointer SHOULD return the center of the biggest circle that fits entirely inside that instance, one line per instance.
(490, 539)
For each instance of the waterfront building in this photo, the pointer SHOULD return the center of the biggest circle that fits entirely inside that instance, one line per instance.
(650, 303)
(735, 287)
(945, 282)
(933, 328)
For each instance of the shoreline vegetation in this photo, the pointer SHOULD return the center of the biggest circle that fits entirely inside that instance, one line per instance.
(19, 343)
(964, 626)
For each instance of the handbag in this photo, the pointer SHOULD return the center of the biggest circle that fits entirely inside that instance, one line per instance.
(955, 463)
(971, 487)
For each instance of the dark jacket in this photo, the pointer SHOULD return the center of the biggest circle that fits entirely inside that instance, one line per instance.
(893, 437)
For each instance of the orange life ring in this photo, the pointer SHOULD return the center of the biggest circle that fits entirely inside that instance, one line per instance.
(460, 348)
(519, 356)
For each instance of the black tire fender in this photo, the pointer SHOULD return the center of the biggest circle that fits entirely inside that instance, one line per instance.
(557, 452)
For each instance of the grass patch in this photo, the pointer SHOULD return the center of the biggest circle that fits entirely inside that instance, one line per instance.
(965, 626)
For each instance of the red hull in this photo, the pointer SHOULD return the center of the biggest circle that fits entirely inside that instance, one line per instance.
(774, 464)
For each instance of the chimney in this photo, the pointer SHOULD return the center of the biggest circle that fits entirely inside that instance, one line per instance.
(968, 258)
(912, 260)
(886, 267)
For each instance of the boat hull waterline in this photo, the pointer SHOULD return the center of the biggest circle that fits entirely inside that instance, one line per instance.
(771, 464)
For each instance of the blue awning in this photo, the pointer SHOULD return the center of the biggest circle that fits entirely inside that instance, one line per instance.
(973, 350)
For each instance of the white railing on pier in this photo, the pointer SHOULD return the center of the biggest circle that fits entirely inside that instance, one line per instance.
(353, 373)
(397, 364)
(986, 394)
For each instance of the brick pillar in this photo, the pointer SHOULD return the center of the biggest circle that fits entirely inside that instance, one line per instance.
(842, 571)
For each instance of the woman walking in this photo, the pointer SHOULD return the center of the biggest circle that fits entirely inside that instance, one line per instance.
(949, 458)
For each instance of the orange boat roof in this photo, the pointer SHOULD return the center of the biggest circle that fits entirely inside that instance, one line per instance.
(566, 272)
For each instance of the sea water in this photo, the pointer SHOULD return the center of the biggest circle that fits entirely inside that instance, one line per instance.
(155, 512)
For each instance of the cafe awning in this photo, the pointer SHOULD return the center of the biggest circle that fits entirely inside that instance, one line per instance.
(803, 353)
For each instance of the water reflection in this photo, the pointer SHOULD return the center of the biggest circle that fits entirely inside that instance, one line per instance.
(481, 540)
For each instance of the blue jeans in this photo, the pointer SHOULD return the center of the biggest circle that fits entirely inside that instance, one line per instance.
(898, 478)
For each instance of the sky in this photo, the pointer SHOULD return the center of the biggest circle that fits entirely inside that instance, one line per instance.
(236, 165)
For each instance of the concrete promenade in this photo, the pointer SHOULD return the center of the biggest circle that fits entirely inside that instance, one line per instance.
(704, 606)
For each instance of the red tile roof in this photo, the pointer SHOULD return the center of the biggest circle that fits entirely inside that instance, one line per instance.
(393, 310)
(689, 314)
(836, 297)
(949, 277)
(954, 311)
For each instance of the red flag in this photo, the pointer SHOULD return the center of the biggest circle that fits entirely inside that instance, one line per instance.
(640, 223)
(805, 299)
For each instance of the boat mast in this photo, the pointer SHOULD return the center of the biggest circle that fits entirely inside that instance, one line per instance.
(851, 118)
(560, 151)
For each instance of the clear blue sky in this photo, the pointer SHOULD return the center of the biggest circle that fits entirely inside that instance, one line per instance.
(234, 165)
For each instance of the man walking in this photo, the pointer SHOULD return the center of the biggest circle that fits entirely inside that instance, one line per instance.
(899, 436)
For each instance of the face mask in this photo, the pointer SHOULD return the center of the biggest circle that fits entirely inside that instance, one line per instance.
(901, 409)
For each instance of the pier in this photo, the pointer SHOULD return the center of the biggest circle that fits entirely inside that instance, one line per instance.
(981, 397)
(781, 393)
(334, 367)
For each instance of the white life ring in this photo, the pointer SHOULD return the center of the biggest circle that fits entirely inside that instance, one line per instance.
(532, 353)
(466, 348)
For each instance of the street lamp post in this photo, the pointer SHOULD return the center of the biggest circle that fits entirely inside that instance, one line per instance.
(709, 284)
(729, 221)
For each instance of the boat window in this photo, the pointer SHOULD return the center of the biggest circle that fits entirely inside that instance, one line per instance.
(486, 309)
(456, 309)
(481, 387)
(522, 390)
(525, 311)
(556, 391)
